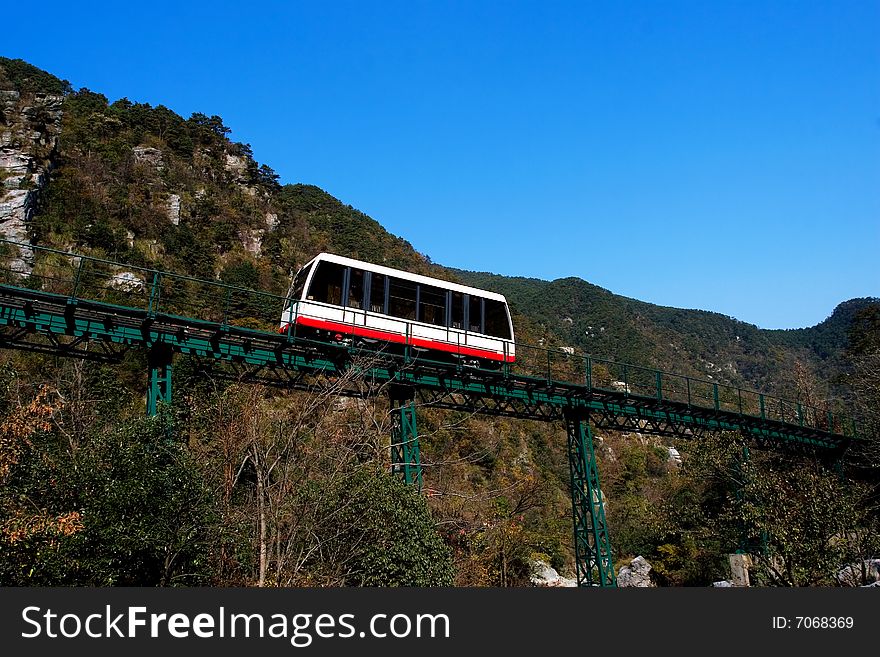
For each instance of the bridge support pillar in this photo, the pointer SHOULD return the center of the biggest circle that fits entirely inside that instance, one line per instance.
(159, 383)
(405, 458)
(592, 546)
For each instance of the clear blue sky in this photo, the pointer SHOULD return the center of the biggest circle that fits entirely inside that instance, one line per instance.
(717, 155)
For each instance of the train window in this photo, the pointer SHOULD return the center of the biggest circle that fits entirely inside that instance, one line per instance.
(475, 314)
(326, 284)
(299, 283)
(457, 317)
(497, 324)
(356, 288)
(432, 305)
(402, 299)
(377, 292)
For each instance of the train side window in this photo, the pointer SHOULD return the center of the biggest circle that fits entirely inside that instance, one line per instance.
(377, 293)
(356, 288)
(457, 310)
(475, 314)
(497, 324)
(326, 284)
(402, 299)
(432, 305)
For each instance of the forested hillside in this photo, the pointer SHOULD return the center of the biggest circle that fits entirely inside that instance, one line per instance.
(243, 485)
(694, 342)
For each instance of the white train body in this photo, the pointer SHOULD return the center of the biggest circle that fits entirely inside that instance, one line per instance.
(347, 298)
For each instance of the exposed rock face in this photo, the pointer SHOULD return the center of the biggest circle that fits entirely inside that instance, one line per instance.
(173, 208)
(127, 281)
(271, 221)
(237, 168)
(29, 129)
(637, 573)
(16, 166)
(252, 240)
(545, 575)
(149, 156)
(602, 447)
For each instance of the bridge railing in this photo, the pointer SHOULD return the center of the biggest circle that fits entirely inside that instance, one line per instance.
(143, 288)
(156, 292)
(706, 394)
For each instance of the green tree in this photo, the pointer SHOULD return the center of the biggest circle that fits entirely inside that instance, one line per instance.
(387, 530)
(814, 523)
(142, 511)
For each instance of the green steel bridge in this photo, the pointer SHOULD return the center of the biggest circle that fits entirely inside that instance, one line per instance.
(84, 307)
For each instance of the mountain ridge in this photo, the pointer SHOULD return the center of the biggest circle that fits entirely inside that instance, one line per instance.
(477, 274)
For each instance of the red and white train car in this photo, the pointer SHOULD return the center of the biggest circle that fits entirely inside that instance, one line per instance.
(342, 298)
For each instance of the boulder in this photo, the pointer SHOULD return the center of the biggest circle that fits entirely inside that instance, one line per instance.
(851, 574)
(636, 574)
(544, 575)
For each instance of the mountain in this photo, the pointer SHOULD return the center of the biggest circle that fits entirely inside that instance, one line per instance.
(140, 184)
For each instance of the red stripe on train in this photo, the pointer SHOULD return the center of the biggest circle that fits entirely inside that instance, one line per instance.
(388, 336)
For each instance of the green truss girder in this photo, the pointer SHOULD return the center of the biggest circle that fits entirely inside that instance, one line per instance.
(594, 565)
(522, 396)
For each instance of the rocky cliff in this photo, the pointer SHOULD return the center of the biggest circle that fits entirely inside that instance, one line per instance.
(30, 124)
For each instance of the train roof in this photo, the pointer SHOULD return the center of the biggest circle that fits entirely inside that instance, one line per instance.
(409, 276)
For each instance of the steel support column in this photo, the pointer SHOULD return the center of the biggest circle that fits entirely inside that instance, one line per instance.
(591, 543)
(405, 459)
(159, 385)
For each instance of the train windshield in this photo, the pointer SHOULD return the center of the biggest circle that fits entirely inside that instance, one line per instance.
(299, 283)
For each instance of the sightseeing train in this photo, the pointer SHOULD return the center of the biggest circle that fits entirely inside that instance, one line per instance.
(333, 298)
